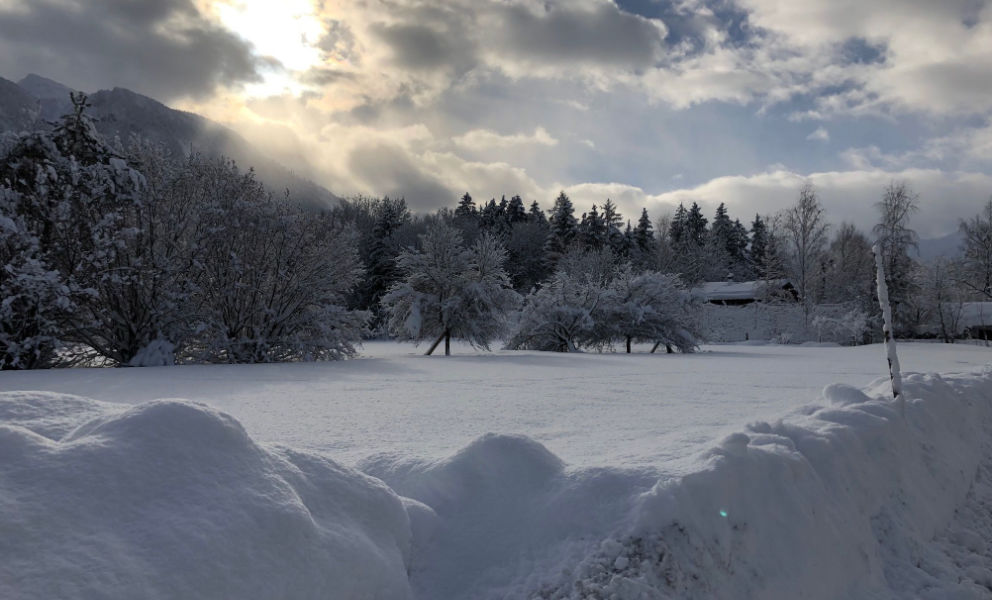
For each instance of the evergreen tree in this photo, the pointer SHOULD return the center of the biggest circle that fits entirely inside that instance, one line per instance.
(535, 214)
(677, 228)
(466, 207)
(644, 233)
(380, 264)
(759, 246)
(695, 226)
(515, 212)
(563, 229)
(614, 224)
(592, 229)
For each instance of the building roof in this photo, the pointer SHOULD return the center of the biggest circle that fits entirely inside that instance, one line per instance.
(712, 291)
(976, 314)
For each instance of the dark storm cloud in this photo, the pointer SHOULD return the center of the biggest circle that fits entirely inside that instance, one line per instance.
(419, 47)
(601, 35)
(164, 48)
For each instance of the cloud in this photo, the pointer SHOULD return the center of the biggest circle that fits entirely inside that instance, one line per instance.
(945, 197)
(820, 134)
(164, 48)
(483, 139)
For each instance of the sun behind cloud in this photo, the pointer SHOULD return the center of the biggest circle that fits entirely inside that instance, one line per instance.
(286, 33)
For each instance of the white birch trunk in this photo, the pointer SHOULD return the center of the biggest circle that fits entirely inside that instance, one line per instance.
(890, 342)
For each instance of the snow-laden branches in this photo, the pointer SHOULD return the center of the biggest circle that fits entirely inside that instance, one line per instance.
(449, 291)
(592, 301)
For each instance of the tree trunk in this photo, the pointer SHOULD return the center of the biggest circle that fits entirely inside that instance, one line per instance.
(628, 344)
(447, 343)
(655, 347)
(434, 345)
(895, 375)
(668, 349)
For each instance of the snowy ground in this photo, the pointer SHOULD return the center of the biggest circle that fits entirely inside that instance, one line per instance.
(621, 484)
(642, 410)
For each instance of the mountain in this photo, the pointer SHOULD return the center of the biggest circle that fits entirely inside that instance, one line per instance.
(35, 101)
(948, 246)
(19, 110)
(52, 95)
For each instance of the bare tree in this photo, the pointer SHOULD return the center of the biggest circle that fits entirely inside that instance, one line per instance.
(977, 250)
(806, 232)
(895, 238)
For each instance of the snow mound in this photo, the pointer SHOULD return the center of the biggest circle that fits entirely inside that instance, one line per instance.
(172, 499)
(842, 501)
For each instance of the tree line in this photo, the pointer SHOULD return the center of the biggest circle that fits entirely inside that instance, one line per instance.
(121, 254)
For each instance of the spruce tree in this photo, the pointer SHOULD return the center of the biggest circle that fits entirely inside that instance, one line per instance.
(535, 214)
(466, 207)
(593, 229)
(515, 212)
(695, 226)
(759, 246)
(563, 229)
(644, 234)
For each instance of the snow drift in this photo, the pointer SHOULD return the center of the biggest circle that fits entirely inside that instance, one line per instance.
(840, 499)
(172, 499)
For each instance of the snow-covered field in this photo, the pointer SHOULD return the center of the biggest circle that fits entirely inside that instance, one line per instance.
(656, 411)
(607, 476)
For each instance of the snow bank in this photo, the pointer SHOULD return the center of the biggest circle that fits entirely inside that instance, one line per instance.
(172, 499)
(842, 499)
(839, 499)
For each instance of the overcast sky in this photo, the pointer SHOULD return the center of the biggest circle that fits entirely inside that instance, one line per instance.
(648, 102)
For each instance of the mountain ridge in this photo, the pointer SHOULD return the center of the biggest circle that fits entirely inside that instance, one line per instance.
(36, 101)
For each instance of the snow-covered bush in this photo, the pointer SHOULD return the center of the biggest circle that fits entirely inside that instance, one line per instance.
(652, 307)
(71, 194)
(34, 299)
(849, 327)
(450, 291)
(593, 301)
(269, 278)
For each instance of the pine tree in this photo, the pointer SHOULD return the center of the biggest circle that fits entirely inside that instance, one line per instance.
(644, 234)
(695, 226)
(678, 226)
(759, 246)
(535, 214)
(515, 212)
(563, 231)
(614, 224)
(466, 207)
(593, 230)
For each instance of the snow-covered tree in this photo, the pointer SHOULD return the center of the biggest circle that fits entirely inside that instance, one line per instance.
(79, 198)
(977, 250)
(895, 239)
(34, 300)
(651, 307)
(806, 230)
(449, 291)
(270, 278)
(563, 229)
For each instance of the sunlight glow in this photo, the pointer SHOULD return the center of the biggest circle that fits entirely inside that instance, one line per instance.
(285, 30)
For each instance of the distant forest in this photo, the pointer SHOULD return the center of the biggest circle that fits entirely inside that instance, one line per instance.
(120, 253)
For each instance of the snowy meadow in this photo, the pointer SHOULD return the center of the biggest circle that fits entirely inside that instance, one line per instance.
(738, 471)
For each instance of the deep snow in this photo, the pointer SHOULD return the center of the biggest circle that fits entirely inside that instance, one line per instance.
(643, 410)
(831, 495)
